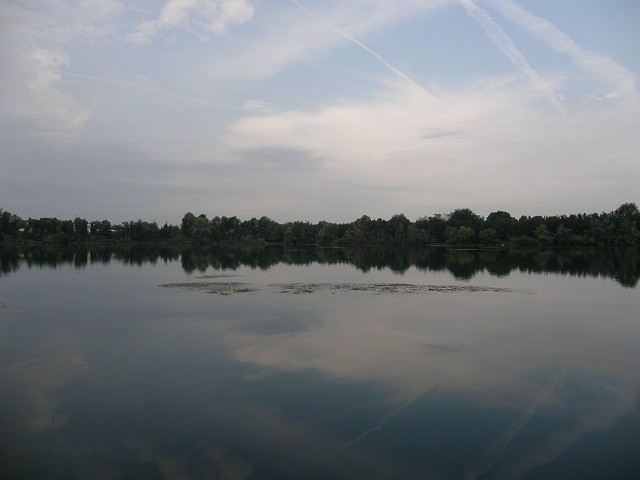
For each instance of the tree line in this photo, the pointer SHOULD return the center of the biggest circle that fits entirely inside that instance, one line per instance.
(620, 227)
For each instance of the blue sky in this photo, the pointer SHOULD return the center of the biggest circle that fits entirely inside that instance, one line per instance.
(311, 110)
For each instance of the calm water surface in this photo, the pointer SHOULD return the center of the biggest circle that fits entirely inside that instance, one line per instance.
(320, 364)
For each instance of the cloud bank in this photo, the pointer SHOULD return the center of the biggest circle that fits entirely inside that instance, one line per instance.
(308, 110)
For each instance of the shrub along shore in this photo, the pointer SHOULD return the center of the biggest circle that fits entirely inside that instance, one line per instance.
(620, 227)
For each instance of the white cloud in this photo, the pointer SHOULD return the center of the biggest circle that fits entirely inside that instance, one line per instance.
(393, 123)
(102, 8)
(495, 139)
(59, 364)
(197, 16)
(299, 88)
(63, 22)
(31, 80)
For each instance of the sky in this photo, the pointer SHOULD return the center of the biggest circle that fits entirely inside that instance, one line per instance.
(317, 110)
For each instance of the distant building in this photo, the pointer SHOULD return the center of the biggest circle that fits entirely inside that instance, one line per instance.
(442, 216)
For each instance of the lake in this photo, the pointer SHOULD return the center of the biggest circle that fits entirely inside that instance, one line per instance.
(274, 363)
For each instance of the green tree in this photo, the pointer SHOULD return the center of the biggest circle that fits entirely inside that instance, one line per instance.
(542, 235)
(563, 235)
(359, 231)
(229, 228)
(459, 235)
(288, 235)
(431, 229)
(142, 231)
(187, 224)
(201, 229)
(9, 223)
(100, 228)
(464, 217)
(503, 223)
(168, 232)
(629, 211)
(627, 233)
(397, 228)
(488, 236)
(80, 228)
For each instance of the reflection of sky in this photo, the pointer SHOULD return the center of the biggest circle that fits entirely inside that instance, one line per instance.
(395, 339)
(348, 375)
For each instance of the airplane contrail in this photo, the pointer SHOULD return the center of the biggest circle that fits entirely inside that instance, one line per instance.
(498, 447)
(501, 40)
(148, 89)
(384, 420)
(603, 66)
(368, 50)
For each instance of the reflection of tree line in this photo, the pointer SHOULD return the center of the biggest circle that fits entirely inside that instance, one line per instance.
(621, 264)
(12, 257)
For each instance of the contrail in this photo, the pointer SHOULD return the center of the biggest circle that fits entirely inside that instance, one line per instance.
(498, 447)
(368, 50)
(501, 40)
(147, 89)
(602, 65)
(384, 420)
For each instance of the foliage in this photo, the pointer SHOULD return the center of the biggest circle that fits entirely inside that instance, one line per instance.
(462, 227)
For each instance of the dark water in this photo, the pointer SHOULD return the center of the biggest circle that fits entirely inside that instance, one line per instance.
(319, 364)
